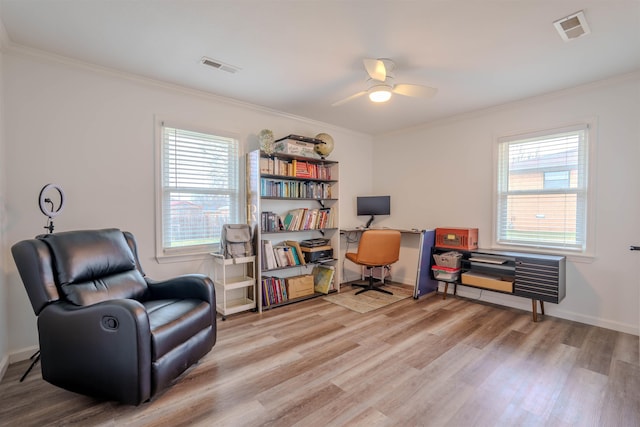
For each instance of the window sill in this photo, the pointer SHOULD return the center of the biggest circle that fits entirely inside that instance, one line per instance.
(168, 259)
(581, 257)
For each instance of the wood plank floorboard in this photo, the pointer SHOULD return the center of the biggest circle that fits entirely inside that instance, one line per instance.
(426, 362)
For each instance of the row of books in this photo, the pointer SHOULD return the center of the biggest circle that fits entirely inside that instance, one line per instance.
(296, 168)
(274, 291)
(294, 189)
(298, 219)
(309, 219)
(285, 254)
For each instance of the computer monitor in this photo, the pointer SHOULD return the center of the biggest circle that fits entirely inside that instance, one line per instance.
(373, 205)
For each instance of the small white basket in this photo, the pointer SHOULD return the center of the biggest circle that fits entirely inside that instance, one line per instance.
(448, 259)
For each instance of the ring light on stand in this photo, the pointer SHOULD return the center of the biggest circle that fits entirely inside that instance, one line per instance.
(47, 206)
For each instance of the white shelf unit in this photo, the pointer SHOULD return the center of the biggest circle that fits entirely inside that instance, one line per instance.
(235, 283)
(258, 203)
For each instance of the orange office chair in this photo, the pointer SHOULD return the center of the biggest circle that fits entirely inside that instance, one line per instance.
(377, 248)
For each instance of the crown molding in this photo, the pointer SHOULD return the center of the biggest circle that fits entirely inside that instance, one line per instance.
(621, 78)
(37, 54)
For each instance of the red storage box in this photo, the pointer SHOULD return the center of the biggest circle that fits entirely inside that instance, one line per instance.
(457, 238)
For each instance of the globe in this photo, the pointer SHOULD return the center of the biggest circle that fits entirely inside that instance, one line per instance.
(326, 147)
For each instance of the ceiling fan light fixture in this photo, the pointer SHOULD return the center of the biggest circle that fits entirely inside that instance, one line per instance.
(380, 93)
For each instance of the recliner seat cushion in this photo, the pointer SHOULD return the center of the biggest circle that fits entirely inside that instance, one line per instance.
(173, 322)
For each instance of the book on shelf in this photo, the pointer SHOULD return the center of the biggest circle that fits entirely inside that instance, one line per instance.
(323, 278)
(269, 259)
(297, 250)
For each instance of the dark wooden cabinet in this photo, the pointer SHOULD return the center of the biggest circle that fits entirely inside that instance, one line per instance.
(541, 278)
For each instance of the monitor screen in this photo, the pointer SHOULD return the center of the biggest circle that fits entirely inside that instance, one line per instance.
(373, 205)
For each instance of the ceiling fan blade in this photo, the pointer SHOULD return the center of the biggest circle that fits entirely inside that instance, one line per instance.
(349, 98)
(375, 68)
(417, 91)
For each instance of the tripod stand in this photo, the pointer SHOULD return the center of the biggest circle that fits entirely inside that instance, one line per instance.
(35, 358)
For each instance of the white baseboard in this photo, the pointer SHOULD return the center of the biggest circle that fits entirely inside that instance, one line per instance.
(16, 356)
(4, 364)
(550, 309)
(22, 354)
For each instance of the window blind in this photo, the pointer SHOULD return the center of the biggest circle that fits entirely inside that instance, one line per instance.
(542, 190)
(200, 190)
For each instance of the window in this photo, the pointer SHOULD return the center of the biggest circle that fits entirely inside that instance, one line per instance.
(559, 179)
(542, 190)
(199, 190)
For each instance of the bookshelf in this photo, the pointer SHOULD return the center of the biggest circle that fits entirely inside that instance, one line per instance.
(290, 198)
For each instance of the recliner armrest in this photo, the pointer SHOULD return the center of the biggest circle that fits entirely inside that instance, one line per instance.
(102, 349)
(188, 286)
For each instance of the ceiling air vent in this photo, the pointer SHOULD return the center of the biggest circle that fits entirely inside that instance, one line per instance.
(572, 26)
(219, 65)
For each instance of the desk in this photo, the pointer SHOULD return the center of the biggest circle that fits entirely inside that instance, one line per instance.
(414, 266)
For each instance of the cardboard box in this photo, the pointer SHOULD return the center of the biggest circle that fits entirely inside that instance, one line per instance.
(457, 238)
(488, 282)
(297, 148)
(299, 286)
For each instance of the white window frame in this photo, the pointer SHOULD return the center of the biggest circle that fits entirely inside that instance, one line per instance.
(186, 253)
(587, 251)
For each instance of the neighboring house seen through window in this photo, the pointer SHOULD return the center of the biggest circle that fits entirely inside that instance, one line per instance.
(199, 190)
(542, 192)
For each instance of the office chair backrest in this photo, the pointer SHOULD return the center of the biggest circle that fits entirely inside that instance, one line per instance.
(379, 247)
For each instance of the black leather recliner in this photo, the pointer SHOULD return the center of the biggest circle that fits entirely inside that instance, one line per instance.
(106, 330)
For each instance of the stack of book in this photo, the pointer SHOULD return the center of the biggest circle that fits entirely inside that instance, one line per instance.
(285, 254)
(270, 221)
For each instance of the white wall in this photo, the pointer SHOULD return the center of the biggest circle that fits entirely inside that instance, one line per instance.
(4, 315)
(442, 176)
(92, 132)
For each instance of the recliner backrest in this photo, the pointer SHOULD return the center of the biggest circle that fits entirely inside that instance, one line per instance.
(91, 266)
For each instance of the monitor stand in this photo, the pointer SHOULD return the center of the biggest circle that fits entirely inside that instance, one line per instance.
(369, 222)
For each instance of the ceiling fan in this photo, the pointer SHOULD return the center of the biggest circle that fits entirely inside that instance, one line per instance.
(381, 85)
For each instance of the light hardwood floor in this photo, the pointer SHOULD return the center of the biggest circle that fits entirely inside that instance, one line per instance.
(427, 362)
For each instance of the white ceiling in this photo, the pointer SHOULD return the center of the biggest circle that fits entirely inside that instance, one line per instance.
(300, 56)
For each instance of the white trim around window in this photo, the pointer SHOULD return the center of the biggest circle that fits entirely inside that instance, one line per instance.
(199, 188)
(544, 192)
